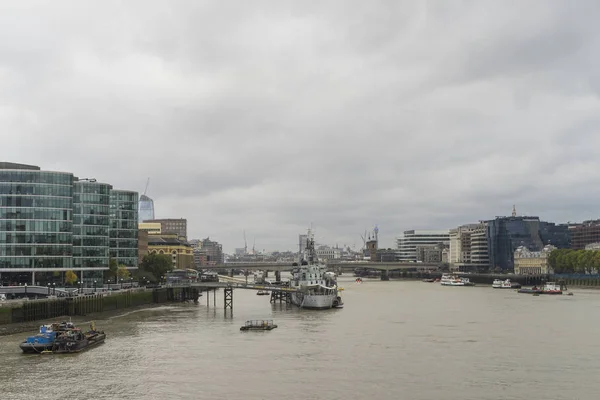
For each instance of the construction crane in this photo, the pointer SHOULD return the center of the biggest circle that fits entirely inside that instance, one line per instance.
(147, 183)
(245, 243)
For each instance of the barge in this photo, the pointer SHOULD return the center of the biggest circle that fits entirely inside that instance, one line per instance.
(45, 338)
(258, 325)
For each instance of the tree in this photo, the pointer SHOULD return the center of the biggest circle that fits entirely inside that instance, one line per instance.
(157, 265)
(70, 277)
(123, 272)
(112, 268)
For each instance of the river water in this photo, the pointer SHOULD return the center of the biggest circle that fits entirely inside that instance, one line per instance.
(392, 340)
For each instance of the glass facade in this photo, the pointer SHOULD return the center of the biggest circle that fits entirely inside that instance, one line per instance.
(506, 234)
(146, 208)
(35, 219)
(52, 222)
(91, 223)
(124, 227)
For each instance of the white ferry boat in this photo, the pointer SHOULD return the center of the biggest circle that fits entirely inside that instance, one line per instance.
(500, 284)
(454, 280)
(317, 288)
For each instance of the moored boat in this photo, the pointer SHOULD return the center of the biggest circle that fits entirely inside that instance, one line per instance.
(429, 280)
(75, 340)
(313, 286)
(455, 280)
(533, 290)
(502, 284)
(551, 288)
(263, 293)
(45, 338)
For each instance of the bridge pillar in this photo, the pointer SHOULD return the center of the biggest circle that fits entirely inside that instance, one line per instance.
(385, 275)
(278, 276)
(230, 273)
(266, 273)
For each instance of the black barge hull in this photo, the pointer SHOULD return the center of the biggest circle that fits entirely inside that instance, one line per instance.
(77, 346)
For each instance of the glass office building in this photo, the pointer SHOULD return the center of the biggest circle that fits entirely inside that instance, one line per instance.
(146, 208)
(506, 234)
(91, 222)
(35, 219)
(124, 227)
(53, 222)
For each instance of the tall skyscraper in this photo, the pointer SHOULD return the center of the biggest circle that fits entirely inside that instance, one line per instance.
(145, 208)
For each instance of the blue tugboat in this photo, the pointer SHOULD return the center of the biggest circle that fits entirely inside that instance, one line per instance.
(45, 339)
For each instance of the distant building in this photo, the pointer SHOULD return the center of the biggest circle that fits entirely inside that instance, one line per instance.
(210, 252)
(593, 246)
(558, 235)
(408, 242)
(430, 253)
(469, 247)
(302, 243)
(142, 245)
(385, 255)
(585, 233)
(328, 253)
(176, 226)
(506, 234)
(152, 228)
(529, 262)
(145, 208)
(181, 253)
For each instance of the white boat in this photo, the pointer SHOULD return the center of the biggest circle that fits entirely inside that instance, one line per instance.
(259, 277)
(316, 288)
(500, 284)
(454, 280)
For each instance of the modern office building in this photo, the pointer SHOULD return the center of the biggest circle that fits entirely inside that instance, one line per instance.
(124, 227)
(469, 248)
(146, 208)
(507, 234)
(585, 233)
(91, 223)
(53, 222)
(407, 244)
(36, 217)
(169, 226)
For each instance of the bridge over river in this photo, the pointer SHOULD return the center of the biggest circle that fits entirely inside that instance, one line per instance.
(331, 264)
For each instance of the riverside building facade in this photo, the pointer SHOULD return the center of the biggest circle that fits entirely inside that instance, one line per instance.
(52, 222)
(408, 243)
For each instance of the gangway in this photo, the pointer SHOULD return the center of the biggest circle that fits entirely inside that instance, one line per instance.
(225, 278)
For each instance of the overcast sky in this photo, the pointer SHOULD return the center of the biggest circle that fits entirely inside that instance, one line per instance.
(272, 115)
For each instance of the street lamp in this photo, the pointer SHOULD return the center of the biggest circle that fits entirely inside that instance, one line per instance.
(121, 283)
(53, 288)
(79, 284)
(48, 288)
(25, 289)
(94, 286)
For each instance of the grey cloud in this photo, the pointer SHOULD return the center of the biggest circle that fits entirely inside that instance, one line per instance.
(267, 116)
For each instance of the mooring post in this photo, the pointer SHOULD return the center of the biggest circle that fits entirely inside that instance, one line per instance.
(214, 297)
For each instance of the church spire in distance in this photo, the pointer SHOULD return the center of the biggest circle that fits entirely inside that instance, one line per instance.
(514, 212)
